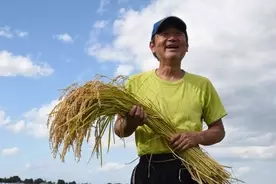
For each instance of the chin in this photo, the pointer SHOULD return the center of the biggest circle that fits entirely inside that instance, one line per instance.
(173, 57)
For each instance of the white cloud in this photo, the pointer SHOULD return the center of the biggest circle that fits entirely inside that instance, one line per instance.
(22, 33)
(103, 4)
(28, 165)
(122, 10)
(243, 170)
(244, 152)
(115, 141)
(32, 166)
(111, 166)
(131, 42)
(65, 37)
(10, 151)
(17, 65)
(7, 32)
(100, 24)
(16, 127)
(255, 152)
(122, 1)
(124, 69)
(244, 136)
(3, 118)
(107, 53)
(257, 139)
(245, 144)
(34, 121)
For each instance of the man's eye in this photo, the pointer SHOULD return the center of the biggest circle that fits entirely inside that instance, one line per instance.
(165, 33)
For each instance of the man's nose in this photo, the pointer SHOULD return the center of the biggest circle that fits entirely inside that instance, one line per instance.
(172, 36)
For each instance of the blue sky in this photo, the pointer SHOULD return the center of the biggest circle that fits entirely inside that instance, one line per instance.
(46, 46)
(39, 25)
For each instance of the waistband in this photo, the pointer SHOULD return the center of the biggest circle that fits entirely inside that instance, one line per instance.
(167, 157)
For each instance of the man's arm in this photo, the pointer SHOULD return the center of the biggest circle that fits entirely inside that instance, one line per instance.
(213, 112)
(214, 134)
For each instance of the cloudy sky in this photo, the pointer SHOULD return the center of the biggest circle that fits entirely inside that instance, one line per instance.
(45, 47)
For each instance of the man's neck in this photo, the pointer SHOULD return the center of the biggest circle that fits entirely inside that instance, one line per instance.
(170, 73)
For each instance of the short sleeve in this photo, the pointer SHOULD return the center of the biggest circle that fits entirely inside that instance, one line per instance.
(129, 84)
(213, 109)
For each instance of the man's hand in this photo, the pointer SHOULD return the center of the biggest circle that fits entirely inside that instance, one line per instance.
(183, 141)
(137, 116)
(214, 134)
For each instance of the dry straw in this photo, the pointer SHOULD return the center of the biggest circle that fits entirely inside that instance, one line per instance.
(91, 108)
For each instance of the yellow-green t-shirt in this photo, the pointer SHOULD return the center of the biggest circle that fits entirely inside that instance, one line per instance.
(187, 102)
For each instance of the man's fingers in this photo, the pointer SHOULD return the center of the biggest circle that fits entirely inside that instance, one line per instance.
(175, 138)
(182, 145)
(137, 113)
(175, 143)
(133, 110)
(181, 142)
(145, 117)
(142, 113)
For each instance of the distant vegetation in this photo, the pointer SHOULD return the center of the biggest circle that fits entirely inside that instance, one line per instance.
(16, 179)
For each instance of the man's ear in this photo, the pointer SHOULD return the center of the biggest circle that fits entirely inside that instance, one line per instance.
(152, 46)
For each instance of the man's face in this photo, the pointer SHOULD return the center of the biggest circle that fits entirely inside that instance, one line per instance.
(169, 44)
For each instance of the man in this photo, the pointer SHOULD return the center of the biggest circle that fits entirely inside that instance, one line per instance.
(187, 99)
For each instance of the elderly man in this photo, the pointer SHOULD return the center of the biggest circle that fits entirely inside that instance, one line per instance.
(187, 99)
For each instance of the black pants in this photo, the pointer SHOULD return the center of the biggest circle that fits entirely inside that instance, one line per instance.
(161, 169)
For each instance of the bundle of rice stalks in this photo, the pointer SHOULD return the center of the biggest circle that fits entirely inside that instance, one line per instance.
(92, 107)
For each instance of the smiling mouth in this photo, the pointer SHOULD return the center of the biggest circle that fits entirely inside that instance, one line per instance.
(172, 47)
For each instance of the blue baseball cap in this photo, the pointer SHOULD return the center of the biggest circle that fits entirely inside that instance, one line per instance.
(170, 21)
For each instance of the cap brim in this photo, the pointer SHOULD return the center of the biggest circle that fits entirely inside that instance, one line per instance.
(172, 21)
